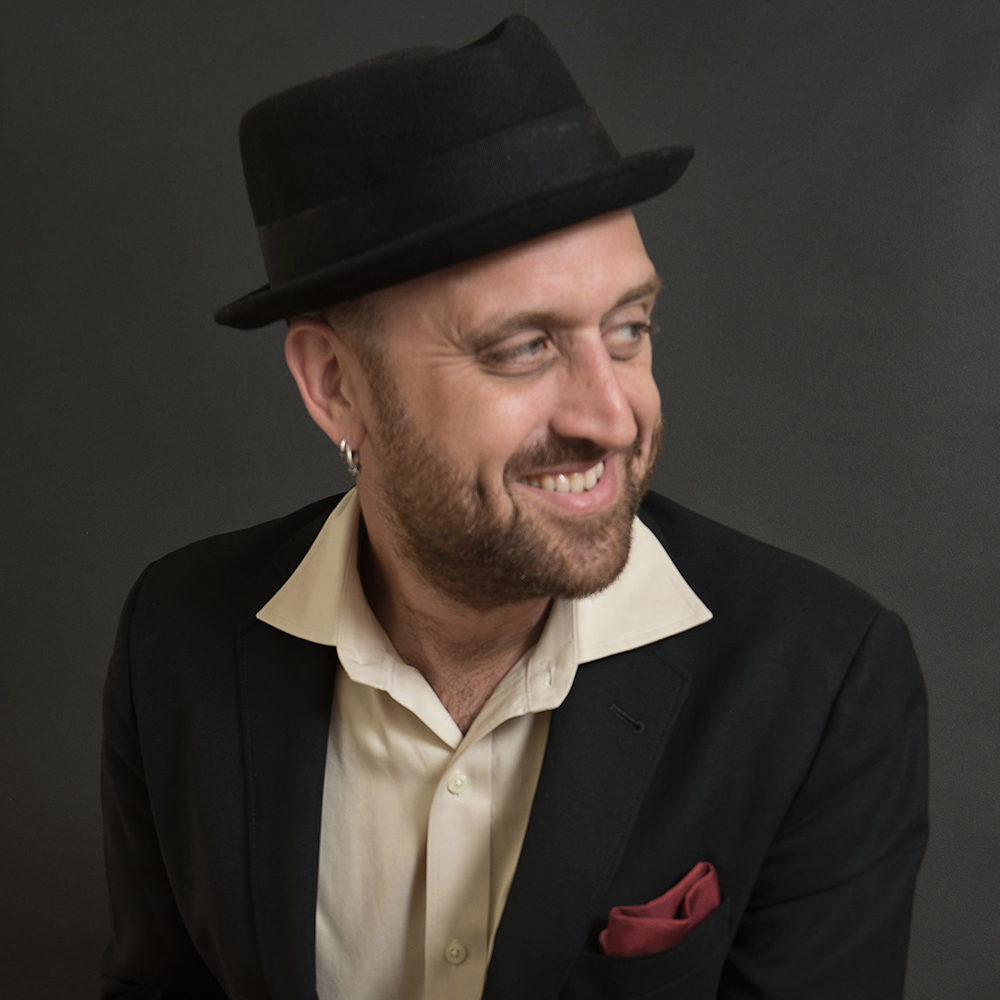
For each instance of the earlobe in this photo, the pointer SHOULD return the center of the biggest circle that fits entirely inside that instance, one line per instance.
(321, 364)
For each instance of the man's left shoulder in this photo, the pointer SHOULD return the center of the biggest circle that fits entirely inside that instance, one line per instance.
(787, 641)
(752, 586)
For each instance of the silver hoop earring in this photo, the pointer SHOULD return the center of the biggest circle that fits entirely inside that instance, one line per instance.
(350, 457)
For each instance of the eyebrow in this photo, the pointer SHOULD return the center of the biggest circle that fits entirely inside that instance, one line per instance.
(651, 287)
(491, 332)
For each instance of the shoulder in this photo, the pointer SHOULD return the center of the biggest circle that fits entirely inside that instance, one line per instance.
(228, 576)
(758, 589)
(788, 642)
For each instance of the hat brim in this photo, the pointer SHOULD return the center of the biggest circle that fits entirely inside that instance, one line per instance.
(571, 200)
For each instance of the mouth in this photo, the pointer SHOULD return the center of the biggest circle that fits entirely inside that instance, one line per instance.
(567, 482)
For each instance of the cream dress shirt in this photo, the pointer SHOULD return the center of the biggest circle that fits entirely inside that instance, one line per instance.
(421, 826)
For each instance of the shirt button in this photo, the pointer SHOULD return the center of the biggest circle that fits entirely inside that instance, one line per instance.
(456, 785)
(455, 952)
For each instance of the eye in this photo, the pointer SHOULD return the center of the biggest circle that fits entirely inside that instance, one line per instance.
(523, 356)
(625, 340)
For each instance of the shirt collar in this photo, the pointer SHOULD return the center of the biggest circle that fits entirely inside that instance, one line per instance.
(322, 601)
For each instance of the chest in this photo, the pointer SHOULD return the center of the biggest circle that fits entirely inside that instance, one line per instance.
(419, 841)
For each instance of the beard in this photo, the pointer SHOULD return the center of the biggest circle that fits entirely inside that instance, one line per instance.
(482, 553)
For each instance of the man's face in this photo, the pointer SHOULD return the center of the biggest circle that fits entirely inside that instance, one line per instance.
(514, 417)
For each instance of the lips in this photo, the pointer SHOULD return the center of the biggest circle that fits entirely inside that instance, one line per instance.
(574, 482)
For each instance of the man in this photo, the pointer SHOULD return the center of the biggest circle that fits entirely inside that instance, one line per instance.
(485, 726)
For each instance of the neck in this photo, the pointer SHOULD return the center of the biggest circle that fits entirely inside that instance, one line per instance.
(462, 652)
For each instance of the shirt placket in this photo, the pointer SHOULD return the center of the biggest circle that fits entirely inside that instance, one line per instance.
(458, 876)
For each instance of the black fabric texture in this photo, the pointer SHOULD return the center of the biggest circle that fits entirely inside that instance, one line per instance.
(458, 239)
(343, 133)
(421, 159)
(497, 169)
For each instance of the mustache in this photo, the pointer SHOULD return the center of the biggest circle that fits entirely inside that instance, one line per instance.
(560, 451)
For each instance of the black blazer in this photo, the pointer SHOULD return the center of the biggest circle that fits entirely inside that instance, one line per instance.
(784, 741)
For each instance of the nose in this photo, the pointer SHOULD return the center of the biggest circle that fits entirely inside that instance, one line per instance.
(592, 403)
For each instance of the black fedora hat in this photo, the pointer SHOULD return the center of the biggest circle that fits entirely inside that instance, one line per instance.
(420, 159)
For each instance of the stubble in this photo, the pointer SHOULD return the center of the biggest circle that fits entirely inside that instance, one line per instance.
(462, 541)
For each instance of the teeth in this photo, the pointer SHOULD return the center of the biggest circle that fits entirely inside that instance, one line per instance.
(575, 482)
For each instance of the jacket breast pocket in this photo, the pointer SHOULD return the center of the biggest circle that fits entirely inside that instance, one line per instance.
(690, 970)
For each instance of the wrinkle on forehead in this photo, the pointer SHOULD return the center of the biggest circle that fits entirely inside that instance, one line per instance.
(574, 276)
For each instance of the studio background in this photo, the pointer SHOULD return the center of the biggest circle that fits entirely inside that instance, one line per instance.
(828, 359)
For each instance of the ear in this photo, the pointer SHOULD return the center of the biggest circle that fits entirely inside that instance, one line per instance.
(328, 375)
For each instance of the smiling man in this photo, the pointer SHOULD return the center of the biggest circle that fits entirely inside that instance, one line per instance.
(497, 722)
(509, 420)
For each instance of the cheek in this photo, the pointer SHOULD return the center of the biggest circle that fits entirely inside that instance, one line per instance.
(500, 425)
(480, 429)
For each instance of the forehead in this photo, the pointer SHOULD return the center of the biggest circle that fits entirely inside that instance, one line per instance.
(574, 275)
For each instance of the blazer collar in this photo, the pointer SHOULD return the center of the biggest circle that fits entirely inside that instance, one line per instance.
(286, 690)
(604, 744)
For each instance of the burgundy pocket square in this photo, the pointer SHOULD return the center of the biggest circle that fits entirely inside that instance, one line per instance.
(662, 922)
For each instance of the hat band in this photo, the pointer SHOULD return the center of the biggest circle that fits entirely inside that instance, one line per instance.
(496, 171)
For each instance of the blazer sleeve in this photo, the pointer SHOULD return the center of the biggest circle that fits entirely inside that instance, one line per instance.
(151, 956)
(829, 914)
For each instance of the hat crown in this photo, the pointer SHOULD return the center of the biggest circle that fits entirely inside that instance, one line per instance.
(417, 160)
(344, 133)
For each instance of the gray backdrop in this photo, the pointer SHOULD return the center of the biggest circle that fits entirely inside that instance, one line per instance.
(828, 360)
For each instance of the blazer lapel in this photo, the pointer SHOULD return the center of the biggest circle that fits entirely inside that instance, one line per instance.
(604, 744)
(286, 690)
